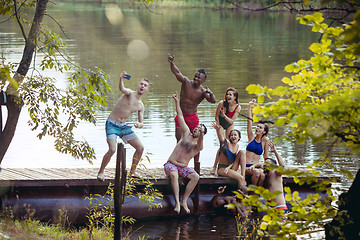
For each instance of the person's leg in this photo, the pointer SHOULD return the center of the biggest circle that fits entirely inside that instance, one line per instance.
(234, 175)
(194, 178)
(240, 161)
(108, 155)
(174, 179)
(139, 149)
(236, 163)
(213, 171)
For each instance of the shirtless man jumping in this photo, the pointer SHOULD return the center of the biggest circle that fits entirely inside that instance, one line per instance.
(190, 144)
(129, 103)
(191, 95)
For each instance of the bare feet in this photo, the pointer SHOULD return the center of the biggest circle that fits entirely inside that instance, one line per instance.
(184, 205)
(101, 177)
(177, 208)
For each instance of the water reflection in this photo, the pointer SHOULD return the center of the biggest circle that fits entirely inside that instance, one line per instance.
(187, 228)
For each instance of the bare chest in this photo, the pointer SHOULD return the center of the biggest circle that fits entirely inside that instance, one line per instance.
(187, 145)
(130, 103)
(191, 94)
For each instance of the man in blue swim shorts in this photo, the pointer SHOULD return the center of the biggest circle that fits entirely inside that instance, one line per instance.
(129, 103)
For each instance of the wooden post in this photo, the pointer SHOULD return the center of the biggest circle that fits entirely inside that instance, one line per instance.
(119, 189)
(197, 189)
(1, 121)
(2, 102)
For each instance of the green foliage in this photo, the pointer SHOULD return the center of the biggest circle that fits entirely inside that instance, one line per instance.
(306, 216)
(319, 101)
(101, 210)
(248, 228)
(6, 71)
(8, 7)
(53, 110)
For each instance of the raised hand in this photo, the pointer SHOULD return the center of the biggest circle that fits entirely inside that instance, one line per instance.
(170, 58)
(221, 189)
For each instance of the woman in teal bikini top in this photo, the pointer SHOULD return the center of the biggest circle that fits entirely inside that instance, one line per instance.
(229, 155)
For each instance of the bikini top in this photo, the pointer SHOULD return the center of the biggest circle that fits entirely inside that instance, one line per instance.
(230, 155)
(255, 147)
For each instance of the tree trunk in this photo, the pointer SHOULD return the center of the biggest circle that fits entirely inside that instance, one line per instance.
(345, 224)
(13, 104)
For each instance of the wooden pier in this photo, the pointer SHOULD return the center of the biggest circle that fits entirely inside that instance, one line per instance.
(27, 177)
(49, 190)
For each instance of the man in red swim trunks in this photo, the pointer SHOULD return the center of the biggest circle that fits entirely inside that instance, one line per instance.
(191, 94)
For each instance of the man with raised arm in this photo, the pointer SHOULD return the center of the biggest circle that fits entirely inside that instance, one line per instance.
(129, 103)
(274, 181)
(189, 144)
(191, 94)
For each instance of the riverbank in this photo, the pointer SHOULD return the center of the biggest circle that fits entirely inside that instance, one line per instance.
(215, 5)
(33, 229)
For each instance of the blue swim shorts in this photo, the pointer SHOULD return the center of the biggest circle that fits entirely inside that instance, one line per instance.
(114, 129)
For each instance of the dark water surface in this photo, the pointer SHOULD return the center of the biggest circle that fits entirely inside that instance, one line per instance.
(235, 48)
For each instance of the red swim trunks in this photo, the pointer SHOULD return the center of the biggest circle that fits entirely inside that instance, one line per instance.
(192, 120)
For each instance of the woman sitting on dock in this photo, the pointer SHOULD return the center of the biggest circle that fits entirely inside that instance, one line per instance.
(226, 113)
(230, 156)
(258, 144)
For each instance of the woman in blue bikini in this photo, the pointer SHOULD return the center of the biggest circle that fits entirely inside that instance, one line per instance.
(227, 111)
(230, 156)
(258, 144)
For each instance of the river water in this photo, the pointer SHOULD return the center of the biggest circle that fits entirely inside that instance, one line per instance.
(235, 48)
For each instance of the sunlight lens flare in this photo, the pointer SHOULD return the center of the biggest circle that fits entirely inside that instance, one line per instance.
(114, 14)
(138, 50)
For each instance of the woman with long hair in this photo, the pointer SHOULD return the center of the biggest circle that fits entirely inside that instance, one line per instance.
(230, 157)
(258, 144)
(227, 111)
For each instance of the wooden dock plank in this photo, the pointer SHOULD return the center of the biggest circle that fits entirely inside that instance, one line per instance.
(86, 176)
(14, 174)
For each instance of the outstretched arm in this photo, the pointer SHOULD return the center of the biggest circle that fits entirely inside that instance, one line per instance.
(200, 142)
(123, 89)
(175, 70)
(219, 131)
(277, 155)
(249, 122)
(214, 201)
(179, 114)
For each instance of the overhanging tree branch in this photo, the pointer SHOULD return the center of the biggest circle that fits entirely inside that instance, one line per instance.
(18, 20)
